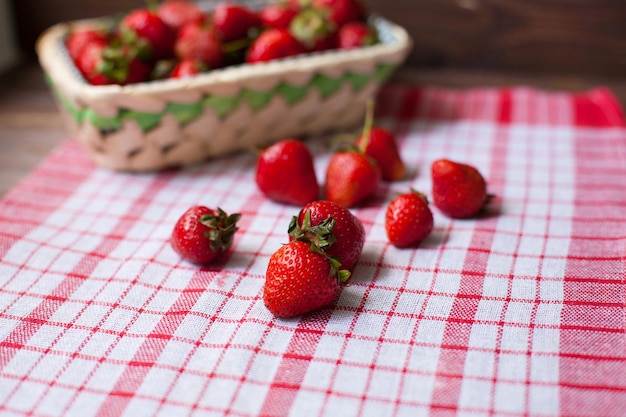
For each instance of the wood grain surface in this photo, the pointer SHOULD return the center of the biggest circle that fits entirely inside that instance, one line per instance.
(537, 36)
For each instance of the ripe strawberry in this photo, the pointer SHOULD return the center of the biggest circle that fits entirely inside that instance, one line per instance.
(103, 64)
(300, 279)
(277, 15)
(348, 234)
(286, 174)
(78, 39)
(355, 35)
(202, 234)
(187, 68)
(351, 177)
(458, 189)
(274, 44)
(233, 21)
(341, 12)
(199, 42)
(312, 28)
(89, 63)
(380, 144)
(144, 29)
(408, 219)
(177, 13)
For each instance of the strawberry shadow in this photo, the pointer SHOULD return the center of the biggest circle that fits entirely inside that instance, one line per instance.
(435, 239)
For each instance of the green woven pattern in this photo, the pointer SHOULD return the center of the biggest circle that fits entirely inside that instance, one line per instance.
(225, 105)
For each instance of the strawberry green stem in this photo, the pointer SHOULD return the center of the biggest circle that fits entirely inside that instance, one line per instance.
(367, 125)
(420, 194)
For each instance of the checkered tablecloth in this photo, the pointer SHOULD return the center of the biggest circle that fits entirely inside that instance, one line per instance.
(520, 312)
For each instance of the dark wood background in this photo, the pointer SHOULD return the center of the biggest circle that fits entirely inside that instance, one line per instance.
(539, 36)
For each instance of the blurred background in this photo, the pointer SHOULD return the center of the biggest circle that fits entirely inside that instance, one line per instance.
(565, 37)
(567, 45)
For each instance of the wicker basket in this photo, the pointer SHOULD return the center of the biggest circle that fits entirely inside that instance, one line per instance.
(159, 124)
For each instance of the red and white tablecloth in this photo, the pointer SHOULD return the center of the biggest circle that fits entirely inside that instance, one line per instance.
(518, 313)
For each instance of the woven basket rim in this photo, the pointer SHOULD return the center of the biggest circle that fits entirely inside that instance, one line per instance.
(55, 61)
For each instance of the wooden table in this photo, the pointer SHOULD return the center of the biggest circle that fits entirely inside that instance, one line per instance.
(30, 125)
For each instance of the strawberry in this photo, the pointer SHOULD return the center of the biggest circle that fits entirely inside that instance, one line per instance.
(301, 278)
(351, 177)
(188, 68)
(177, 13)
(408, 219)
(286, 174)
(90, 64)
(199, 42)
(78, 39)
(144, 29)
(348, 234)
(312, 28)
(380, 144)
(233, 21)
(458, 189)
(341, 12)
(103, 64)
(277, 15)
(274, 44)
(202, 234)
(355, 35)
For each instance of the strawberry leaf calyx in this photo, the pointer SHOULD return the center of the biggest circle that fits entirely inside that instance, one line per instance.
(310, 25)
(129, 38)
(116, 62)
(321, 235)
(222, 228)
(342, 274)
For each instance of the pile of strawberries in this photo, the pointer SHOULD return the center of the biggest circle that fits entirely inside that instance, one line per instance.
(325, 238)
(177, 39)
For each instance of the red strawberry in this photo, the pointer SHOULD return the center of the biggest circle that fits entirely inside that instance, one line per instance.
(274, 44)
(202, 234)
(312, 28)
(102, 64)
(144, 29)
(233, 21)
(380, 144)
(188, 68)
(300, 279)
(299, 4)
(90, 62)
(355, 35)
(286, 174)
(458, 189)
(78, 39)
(351, 177)
(348, 234)
(177, 13)
(408, 219)
(341, 12)
(199, 42)
(277, 15)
